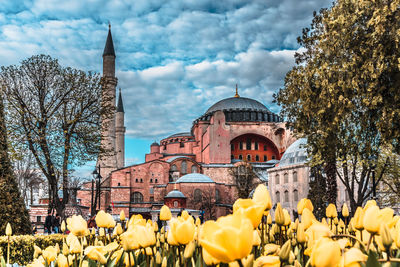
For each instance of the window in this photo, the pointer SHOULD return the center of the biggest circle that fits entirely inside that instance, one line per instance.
(197, 195)
(141, 180)
(273, 156)
(256, 145)
(241, 145)
(248, 158)
(175, 204)
(277, 196)
(265, 147)
(184, 167)
(174, 168)
(277, 179)
(38, 218)
(151, 199)
(194, 169)
(136, 180)
(119, 184)
(248, 144)
(151, 190)
(257, 158)
(294, 177)
(240, 157)
(156, 180)
(151, 180)
(232, 147)
(295, 195)
(217, 196)
(286, 194)
(181, 145)
(265, 158)
(137, 197)
(286, 178)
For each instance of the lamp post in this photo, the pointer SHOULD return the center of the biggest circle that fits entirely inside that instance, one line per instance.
(96, 178)
(372, 160)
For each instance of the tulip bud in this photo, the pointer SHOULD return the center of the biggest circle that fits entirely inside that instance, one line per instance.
(165, 213)
(164, 262)
(158, 258)
(37, 251)
(345, 210)
(279, 215)
(301, 236)
(189, 249)
(371, 222)
(285, 251)
(8, 230)
(122, 216)
(57, 246)
(287, 217)
(101, 231)
(65, 249)
(291, 258)
(269, 219)
(387, 239)
(335, 221)
(93, 232)
(359, 219)
(248, 261)
(62, 261)
(63, 226)
(256, 238)
(331, 211)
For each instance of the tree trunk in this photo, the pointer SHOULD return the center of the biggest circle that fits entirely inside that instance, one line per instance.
(330, 171)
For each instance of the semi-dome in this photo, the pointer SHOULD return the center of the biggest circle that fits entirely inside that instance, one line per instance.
(296, 153)
(195, 178)
(235, 103)
(175, 194)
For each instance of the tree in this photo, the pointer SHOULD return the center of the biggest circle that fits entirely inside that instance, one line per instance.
(244, 177)
(343, 93)
(57, 112)
(317, 192)
(12, 207)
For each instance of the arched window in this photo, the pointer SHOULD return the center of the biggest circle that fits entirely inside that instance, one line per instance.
(255, 145)
(194, 169)
(175, 204)
(174, 168)
(286, 195)
(217, 196)
(137, 197)
(240, 157)
(197, 195)
(265, 147)
(286, 178)
(241, 145)
(265, 158)
(184, 167)
(248, 158)
(277, 179)
(295, 195)
(232, 147)
(257, 158)
(294, 177)
(248, 144)
(277, 196)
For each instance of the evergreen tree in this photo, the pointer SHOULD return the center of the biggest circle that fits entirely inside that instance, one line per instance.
(12, 207)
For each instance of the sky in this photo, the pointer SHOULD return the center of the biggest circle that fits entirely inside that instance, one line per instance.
(174, 58)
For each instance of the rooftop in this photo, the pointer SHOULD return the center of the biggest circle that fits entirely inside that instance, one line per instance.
(195, 178)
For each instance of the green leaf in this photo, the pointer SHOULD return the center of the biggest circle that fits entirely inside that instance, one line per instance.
(372, 260)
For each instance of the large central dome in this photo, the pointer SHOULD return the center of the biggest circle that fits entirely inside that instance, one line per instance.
(235, 103)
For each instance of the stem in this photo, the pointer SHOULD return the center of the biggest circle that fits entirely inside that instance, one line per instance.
(262, 235)
(129, 258)
(369, 242)
(240, 263)
(8, 251)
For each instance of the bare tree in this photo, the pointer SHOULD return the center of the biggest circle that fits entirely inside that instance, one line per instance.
(57, 111)
(245, 178)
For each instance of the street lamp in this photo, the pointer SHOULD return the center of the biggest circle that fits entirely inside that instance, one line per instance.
(96, 176)
(372, 160)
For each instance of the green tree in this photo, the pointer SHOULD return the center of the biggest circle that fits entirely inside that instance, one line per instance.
(343, 92)
(12, 206)
(56, 112)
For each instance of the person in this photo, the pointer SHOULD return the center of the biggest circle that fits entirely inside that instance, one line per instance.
(56, 224)
(159, 223)
(34, 230)
(48, 223)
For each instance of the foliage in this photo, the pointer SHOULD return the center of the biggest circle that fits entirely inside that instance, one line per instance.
(343, 93)
(56, 112)
(12, 206)
(22, 246)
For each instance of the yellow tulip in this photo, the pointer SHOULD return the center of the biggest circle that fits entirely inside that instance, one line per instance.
(129, 241)
(304, 203)
(261, 196)
(386, 215)
(122, 216)
(369, 204)
(285, 251)
(359, 219)
(183, 230)
(267, 261)
(307, 218)
(386, 236)
(317, 231)
(170, 239)
(256, 238)
(49, 254)
(301, 236)
(371, 220)
(279, 215)
(250, 209)
(331, 211)
(62, 261)
(287, 217)
(117, 255)
(229, 238)
(165, 213)
(96, 254)
(185, 215)
(145, 235)
(129, 259)
(271, 248)
(269, 219)
(352, 256)
(75, 247)
(104, 219)
(189, 249)
(345, 210)
(325, 253)
(77, 225)
(208, 259)
(8, 230)
(37, 251)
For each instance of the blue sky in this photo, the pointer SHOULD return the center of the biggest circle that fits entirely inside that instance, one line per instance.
(174, 58)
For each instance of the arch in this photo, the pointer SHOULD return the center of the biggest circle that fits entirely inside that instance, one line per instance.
(295, 195)
(257, 158)
(243, 144)
(286, 178)
(184, 167)
(137, 197)
(294, 177)
(277, 179)
(197, 195)
(277, 196)
(286, 196)
(248, 157)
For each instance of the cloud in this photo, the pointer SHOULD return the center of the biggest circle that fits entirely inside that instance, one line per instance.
(174, 58)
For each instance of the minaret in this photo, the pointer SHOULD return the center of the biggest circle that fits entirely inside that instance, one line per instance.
(107, 159)
(120, 132)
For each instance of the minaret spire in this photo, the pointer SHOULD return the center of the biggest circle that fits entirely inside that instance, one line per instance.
(109, 47)
(237, 95)
(120, 105)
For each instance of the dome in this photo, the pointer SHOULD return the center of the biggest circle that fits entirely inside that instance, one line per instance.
(195, 178)
(155, 144)
(296, 153)
(180, 135)
(175, 194)
(237, 103)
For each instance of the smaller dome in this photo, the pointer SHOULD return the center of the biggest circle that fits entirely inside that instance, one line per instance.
(155, 144)
(195, 178)
(296, 153)
(175, 194)
(180, 135)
